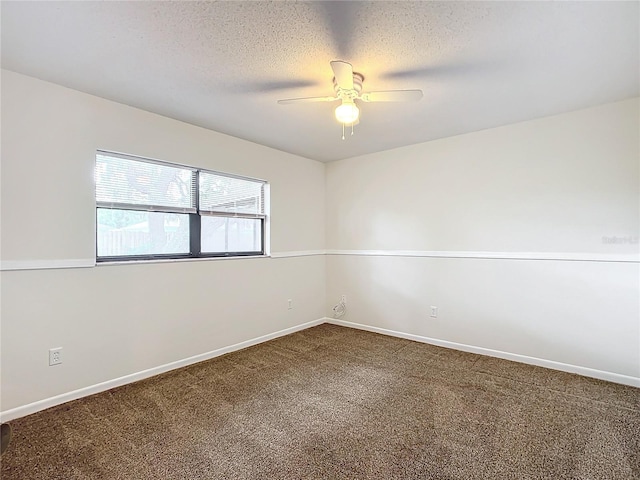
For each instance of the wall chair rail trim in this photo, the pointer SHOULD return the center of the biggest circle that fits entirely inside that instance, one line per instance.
(549, 256)
(42, 264)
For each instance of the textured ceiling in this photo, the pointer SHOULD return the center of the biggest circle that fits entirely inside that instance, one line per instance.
(223, 65)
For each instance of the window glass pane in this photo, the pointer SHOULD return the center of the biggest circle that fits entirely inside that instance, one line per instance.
(132, 182)
(230, 234)
(130, 232)
(227, 194)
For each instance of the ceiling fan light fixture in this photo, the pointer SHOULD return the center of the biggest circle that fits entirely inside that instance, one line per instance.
(347, 113)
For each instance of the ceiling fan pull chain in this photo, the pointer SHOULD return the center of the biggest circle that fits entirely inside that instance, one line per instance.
(343, 131)
(352, 129)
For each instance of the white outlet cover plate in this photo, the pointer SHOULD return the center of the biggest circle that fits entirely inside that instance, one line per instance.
(55, 356)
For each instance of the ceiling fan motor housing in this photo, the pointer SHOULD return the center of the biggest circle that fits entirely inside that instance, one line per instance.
(349, 94)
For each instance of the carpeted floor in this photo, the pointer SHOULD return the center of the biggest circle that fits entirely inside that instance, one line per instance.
(336, 403)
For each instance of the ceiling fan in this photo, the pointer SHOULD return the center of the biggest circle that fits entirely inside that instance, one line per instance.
(348, 87)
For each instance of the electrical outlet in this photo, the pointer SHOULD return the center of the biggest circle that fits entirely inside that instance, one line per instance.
(289, 304)
(434, 311)
(55, 356)
(344, 299)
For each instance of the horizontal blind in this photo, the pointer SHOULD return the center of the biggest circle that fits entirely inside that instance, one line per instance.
(131, 183)
(234, 196)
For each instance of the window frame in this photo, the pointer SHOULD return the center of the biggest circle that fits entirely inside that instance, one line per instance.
(195, 218)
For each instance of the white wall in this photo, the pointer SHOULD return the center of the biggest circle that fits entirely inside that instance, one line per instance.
(116, 320)
(537, 194)
(549, 188)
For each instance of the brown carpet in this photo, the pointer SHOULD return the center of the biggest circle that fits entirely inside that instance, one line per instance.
(333, 403)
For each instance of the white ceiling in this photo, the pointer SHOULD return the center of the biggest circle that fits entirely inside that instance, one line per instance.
(223, 65)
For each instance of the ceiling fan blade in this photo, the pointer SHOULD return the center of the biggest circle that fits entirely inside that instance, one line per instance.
(271, 86)
(392, 96)
(288, 101)
(444, 69)
(343, 72)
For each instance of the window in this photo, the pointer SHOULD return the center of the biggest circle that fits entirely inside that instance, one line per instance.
(148, 210)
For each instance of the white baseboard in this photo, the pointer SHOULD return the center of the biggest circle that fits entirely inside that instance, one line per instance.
(34, 407)
(540, 362)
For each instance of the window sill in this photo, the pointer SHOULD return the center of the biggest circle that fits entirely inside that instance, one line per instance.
(176, 260)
